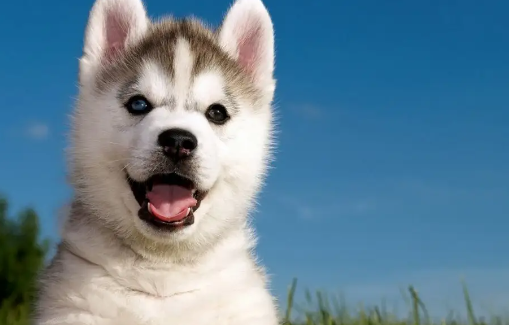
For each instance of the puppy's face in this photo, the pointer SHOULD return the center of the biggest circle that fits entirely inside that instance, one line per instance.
(173, 126)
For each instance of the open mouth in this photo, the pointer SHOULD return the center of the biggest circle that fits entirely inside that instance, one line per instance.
(167, 200)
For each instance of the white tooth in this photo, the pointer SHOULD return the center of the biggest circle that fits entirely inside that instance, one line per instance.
(188, 211)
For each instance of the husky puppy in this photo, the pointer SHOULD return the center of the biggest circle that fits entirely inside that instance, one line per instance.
(171, 139)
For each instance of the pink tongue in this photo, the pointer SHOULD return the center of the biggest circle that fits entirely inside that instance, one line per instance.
(169, 200)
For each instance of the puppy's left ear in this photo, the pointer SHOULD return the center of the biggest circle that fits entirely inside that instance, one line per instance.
(247, 35)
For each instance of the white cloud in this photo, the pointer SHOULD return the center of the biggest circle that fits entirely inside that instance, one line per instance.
(344, 207)
(309, 111)
(375, 199)
(37, 131)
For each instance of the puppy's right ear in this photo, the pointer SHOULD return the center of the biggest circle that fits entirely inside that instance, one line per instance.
(112, 25)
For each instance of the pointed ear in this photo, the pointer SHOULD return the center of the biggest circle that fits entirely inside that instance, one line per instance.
(248, 36)
(112, 25)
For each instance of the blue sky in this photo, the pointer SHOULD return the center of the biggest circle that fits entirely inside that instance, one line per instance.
(393, 161)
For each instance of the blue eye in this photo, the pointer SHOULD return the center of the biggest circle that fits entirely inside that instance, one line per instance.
(137, 105)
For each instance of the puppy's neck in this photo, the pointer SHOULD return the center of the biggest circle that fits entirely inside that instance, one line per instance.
(156, 274)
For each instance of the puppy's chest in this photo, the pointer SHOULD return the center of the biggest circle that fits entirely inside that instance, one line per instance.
(188, 308)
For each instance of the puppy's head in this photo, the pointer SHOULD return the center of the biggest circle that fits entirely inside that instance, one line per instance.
(173, 126)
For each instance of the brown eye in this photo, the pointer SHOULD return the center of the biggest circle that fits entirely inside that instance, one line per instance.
(217, 114)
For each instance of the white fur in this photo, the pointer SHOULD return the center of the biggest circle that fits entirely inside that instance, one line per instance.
(182, 65)
(208, 88)
(116, 270)
(154, 83)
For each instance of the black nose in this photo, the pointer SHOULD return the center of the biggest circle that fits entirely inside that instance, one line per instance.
(177, 143)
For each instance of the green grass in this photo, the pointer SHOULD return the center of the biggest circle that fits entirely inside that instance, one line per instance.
(322, 309)
(14, 315)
